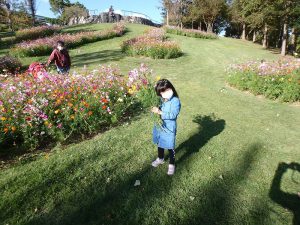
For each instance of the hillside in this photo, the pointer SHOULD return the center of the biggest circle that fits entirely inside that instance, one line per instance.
(230, 144)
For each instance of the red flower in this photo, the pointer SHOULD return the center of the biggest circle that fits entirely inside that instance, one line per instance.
(104, 107)
(104, 100)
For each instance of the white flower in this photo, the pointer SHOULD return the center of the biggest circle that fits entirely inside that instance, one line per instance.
(120, 100)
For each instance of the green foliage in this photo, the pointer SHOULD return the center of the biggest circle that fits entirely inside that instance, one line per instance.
(191, 33)
(152, 44)
(155, 51)
(57, 6)
(286, 88)
(148, 96)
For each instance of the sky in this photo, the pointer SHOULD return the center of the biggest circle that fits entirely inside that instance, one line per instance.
(147, 7)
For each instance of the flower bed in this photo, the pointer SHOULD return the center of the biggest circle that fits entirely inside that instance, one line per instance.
(9, 65)
(45, 45)
(53, 107)
(152, 44)
(275, 80)
(191, 33)
(36, 32)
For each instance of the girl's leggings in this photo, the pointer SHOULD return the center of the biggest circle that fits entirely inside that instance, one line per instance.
(171, 154)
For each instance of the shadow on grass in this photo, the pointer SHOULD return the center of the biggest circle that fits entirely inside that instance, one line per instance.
(219, 197)
(112, 204)
(100, 57)
(118, 202)
(286, 200)
(208, 127)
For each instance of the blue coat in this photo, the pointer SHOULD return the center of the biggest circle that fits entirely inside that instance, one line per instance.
(164, 136)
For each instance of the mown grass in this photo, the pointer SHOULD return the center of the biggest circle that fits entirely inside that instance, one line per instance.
(229, 146)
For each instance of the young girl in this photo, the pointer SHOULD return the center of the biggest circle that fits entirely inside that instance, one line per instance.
(164, 135)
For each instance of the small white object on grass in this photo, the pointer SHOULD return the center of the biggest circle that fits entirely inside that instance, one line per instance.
(221, 177)
(192, 198)
(137, 183)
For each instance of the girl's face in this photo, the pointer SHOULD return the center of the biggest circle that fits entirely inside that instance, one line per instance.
(167, 94)
(59, 47)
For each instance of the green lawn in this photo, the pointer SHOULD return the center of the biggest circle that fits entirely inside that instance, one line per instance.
(229, 146)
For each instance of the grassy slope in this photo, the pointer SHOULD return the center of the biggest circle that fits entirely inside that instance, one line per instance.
(221, 132)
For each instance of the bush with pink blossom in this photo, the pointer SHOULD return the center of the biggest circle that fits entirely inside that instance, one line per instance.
(275, 80)
(43, 46)
(35, 110)
(152, 44)
(36, 32)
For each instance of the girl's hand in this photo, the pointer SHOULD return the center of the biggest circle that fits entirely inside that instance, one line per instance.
(155, 110)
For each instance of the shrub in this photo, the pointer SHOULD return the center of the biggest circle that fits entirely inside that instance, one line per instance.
(191, 33)
(152, 44)
(275, 80)
(36, 32)
(9, 65)
(45, 45)
(55, 107)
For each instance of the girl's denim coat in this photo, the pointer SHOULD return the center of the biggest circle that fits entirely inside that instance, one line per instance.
(164, 135)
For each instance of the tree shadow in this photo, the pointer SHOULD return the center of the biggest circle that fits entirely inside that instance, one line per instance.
(219, 195)
(100, 57)
(286, 200)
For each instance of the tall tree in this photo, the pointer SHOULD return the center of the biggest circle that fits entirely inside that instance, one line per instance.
(57, 6)
(74, 11)
(6, 9)
(174, 11)
(166, 7)
(31, 4)
(287, 10)
(209, 10)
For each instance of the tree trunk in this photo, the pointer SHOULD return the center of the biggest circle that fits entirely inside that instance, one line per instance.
(284, 39)
(278, 43)
(9, 21)
(244, 32)
(265, 40)
(254, 36)
(32, 8)
(294, 39)
(209, 27)
(167, 17)
(200, 26)
(192, 24)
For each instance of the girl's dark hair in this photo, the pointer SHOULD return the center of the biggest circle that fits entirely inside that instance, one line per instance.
(163, 85)
(61, 43)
